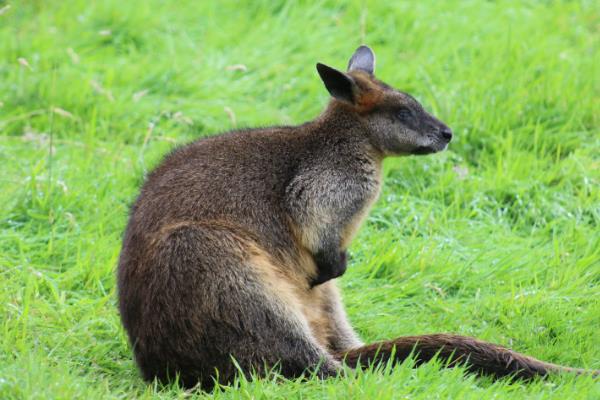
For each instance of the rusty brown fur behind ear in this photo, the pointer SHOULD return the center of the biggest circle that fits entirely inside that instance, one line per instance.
(371, 91)
(234, 243)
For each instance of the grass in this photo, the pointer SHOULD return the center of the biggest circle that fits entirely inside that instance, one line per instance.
(498, 237)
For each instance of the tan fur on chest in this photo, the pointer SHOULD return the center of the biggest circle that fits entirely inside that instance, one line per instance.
(308, 236)
(350, 230)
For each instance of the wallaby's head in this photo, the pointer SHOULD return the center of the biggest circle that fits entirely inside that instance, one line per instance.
(394, 121)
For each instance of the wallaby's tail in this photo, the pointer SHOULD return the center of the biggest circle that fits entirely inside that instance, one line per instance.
(477, 356)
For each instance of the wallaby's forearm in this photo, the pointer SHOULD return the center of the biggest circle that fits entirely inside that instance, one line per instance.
(331, 263)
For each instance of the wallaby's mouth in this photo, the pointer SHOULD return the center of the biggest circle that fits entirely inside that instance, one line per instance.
(422, 150)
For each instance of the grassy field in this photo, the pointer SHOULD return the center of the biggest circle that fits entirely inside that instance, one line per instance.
(499, 237)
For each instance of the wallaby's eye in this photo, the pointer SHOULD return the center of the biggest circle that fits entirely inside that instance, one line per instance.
(404, 114)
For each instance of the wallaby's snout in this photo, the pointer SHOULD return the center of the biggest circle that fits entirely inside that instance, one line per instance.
(447, 133)
(395, 122)
(441, 129)
(434, 131)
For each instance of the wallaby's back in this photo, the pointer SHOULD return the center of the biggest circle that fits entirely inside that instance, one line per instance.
(238, 176)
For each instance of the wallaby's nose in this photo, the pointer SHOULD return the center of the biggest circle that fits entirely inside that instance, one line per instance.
(447, 133)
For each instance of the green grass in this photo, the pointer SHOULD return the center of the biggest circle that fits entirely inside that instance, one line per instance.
(498, 237)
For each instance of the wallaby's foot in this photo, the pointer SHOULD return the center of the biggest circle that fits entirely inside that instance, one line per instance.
(329, 368)
(330, 265)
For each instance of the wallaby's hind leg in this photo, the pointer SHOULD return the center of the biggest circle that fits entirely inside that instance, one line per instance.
(203, 306)
(341, 334)
(476, 355)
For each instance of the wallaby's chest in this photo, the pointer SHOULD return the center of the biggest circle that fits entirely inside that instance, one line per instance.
(372, 189)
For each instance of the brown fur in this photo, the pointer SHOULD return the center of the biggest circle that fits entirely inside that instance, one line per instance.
(234, 243)
(479, 357)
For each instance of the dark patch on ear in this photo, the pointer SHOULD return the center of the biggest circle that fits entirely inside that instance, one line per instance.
(339, 85)
(363, 59)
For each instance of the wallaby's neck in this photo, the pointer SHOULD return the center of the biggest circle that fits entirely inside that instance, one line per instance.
(340, 116)
(339, 123)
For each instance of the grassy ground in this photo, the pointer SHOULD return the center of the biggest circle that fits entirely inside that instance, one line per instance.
(497, 238)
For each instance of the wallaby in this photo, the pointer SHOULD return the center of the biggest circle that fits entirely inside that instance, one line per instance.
(234, 244)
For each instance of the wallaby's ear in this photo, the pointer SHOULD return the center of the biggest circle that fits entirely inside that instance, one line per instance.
(363, 59)
(340, 85)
